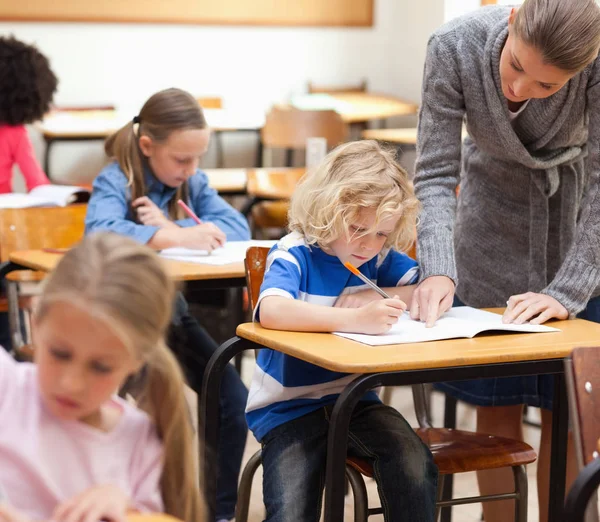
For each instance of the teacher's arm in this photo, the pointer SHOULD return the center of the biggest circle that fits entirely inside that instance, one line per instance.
(579, 274)
(437, 177)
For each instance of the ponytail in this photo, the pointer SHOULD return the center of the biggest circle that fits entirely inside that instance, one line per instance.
(123, 147)
(162, 397)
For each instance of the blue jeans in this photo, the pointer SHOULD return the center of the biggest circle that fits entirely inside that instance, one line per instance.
(193, 347)
(294, 457)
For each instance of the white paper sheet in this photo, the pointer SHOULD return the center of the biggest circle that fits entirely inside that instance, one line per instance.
(462, 321)
(232, 252)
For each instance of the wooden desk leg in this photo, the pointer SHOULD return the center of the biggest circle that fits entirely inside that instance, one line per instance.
(558, 463)
(49, 143)
(208, 416)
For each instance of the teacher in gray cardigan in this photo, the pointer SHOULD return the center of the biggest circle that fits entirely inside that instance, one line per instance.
(525, 231)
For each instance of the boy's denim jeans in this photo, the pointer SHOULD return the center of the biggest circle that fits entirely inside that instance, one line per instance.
(294, 455)
(193, 347)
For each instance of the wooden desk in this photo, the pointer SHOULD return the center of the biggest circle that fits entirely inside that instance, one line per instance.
(228, 182)
(90, 125)
(406, 136)
(357, 107)
(484, 356)
(269, 183)
(204, 276)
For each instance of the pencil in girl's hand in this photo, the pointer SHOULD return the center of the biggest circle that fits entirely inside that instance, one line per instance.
(365, 279)
(189, 211)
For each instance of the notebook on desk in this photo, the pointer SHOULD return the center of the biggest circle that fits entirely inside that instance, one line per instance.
(462, 321)
(232, 252)
(46, 196)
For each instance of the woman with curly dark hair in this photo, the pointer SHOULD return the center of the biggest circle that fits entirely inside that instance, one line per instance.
(27, 85)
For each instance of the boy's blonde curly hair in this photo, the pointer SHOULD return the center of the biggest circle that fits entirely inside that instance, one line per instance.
(354, 176)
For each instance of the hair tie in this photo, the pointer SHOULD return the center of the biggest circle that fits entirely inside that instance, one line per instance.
(137, 119)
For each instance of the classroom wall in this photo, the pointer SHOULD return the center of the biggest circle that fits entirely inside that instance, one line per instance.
(123, 64)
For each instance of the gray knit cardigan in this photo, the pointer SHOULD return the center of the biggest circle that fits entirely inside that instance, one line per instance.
(528, 213)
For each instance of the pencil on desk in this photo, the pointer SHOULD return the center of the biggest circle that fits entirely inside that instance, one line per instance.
(365, 279)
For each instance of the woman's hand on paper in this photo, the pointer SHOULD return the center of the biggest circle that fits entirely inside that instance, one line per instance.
(432, 297)
(532, 307)
(201, 237)
(378, 317)
(98, 503)
(9, 514)
(149, 214)
(357, 299)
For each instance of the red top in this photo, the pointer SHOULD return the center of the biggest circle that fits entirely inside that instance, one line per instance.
(15, 147)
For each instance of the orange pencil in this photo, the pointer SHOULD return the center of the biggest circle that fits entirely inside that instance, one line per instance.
(360, 275)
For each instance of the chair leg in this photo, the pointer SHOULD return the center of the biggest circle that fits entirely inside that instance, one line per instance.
(245, 488)
(439, 495)
(520, 476)
(449, 422)
(359, 490)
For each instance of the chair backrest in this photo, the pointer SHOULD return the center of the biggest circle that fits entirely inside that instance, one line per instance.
(210, 102)
(582, 370)
(330, 89)
(255, 263)
(36, 228)
(289, 128)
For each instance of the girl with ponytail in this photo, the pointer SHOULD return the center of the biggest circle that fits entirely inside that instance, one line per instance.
(70, 448)
(155, 164)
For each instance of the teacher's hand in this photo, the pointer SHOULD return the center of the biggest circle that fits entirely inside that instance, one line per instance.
(432, 297)
(540, 307)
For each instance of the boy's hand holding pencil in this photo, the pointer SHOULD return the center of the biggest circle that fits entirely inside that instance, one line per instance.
(379, 316)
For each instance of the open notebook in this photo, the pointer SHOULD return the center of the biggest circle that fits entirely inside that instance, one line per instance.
(232, 252)
(46, 196)
(462, 321)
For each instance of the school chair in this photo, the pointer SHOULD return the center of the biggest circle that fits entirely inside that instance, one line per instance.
(582, 372)
(33, 229)
(289, 128)
(269, 192)
(313, 88)
(454, 451)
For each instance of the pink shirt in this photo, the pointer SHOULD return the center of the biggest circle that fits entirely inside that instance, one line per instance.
(45, 461)
(15, 147)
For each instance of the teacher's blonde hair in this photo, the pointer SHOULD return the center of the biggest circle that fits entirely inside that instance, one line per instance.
(125, 285)
(354, 176)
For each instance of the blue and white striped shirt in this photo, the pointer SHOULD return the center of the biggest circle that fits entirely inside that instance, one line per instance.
(283, 387)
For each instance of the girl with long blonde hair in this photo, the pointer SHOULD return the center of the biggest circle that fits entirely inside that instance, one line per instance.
(70, 448)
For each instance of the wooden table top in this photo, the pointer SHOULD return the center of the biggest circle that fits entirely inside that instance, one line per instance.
(268, 183)
(343, 355)
(99, 124)
(227, 180)
(364, 106)
(356, 107)
(406, 136)
(180, 271)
